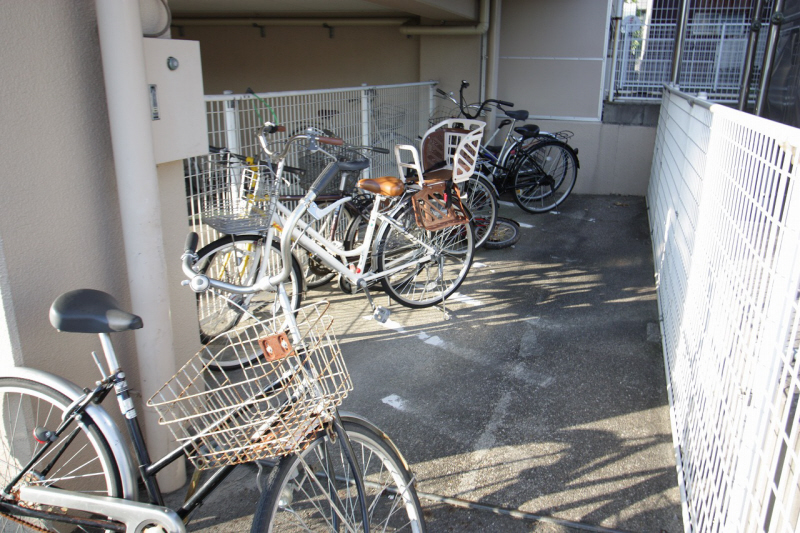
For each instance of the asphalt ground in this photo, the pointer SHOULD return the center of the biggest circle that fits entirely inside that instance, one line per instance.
(543, 395)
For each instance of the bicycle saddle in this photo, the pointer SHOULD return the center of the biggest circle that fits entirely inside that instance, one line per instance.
(349, 166)
(386, 186)
(517, 114)
(91, 311)
(528, 130)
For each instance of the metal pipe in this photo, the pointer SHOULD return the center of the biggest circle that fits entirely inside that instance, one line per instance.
(612, 81)
(752, 44)
(769, 56)
(680, 35)
(479, 29)
(262, 21)
(120, 32)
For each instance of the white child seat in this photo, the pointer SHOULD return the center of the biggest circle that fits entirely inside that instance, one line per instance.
(449, 151)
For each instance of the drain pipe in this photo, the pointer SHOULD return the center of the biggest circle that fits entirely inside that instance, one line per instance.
(480, 29)
(120, 30)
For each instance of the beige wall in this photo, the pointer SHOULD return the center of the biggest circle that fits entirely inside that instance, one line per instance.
(296, 58)
(551, 56)
(59, 211)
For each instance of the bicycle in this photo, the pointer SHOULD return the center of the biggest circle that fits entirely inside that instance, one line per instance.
(417, 267)
(539, 168)
(283, 413)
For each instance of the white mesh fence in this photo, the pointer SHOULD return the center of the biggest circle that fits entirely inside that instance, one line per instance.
(381, 116)
(725, 220)
(713, 55)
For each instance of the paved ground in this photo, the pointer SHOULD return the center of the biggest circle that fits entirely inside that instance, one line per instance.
(544, 394)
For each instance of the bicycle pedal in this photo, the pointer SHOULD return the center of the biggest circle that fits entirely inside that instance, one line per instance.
(381, 314)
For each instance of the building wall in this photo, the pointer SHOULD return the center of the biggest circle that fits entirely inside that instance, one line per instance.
(297, 58)
(60, 223)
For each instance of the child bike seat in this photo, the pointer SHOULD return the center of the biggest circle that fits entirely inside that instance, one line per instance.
(91, 311)
(386, 186)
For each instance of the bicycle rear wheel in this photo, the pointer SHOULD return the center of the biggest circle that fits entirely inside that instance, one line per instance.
(505, 234)
(236, 259)
(545, 175)
(315, 490)
(79, 460)
(416, 282)
(477, 195)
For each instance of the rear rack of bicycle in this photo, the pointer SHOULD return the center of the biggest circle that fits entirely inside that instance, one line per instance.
(273, 403)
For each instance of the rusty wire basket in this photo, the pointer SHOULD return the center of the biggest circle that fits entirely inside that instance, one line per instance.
(271, 405)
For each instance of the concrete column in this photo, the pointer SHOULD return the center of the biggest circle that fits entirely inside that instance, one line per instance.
(120, 30)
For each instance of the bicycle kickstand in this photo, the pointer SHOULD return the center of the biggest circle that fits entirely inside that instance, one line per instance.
(379, 313)
(441, 287)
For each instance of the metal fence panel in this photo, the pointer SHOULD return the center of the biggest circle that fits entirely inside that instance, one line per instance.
(725, 221)
(380, 116)
(712, 58)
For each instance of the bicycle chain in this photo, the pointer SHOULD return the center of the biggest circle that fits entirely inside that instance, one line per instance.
(24, 523)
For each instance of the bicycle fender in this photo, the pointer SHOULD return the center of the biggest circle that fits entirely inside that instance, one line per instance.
(99, 415)
(353, 417)
(490, 181)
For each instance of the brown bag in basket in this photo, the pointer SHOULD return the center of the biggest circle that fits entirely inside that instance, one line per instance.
(438, 205)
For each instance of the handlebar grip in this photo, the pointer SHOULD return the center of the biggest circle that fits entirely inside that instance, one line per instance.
(438, 90)
(274, 128)
(505, 103)
(191, 242)
(380, 150)
(330, 140)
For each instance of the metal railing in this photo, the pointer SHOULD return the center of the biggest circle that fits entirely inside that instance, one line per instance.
(712, 59)
(382, 116)
(725, 222)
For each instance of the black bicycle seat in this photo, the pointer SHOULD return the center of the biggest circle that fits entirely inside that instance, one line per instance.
(518, 114)
(528, 130)
(91, 311)
(359, 164)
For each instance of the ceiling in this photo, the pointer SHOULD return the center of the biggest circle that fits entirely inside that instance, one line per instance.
(458, 11)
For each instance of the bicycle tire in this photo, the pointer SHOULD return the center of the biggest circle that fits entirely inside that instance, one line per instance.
(478, 196)
(545, 175)
(85, 463)
(506, 233)
(424, 284)
(316, 273)
(294, 502)
(235, 259)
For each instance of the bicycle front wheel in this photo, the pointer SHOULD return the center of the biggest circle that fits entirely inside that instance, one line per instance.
(545, 175)
(477, 195)
(236, 259)
(316, 490)
(79, 460)
(422, 277)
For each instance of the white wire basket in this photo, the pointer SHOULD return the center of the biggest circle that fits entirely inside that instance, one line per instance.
(273, 404)
(245, 205)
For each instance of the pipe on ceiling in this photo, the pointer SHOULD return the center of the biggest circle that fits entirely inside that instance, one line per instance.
(479, 29)
(261, 21)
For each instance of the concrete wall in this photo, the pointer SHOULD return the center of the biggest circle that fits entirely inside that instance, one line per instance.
(60, 226)
(295, 58)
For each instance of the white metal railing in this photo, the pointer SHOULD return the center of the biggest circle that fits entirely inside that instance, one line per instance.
(712, 60)
(382, 116)
(725, 221)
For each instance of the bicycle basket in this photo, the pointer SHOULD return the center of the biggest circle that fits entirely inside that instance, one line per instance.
(313, 163)
(272, 405)
(244, 205)
(431, 208)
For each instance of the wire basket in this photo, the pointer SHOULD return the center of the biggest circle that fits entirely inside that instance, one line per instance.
(442, 112)
(271, 405)
(389, 117)
(245, 203)
(313, 163)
